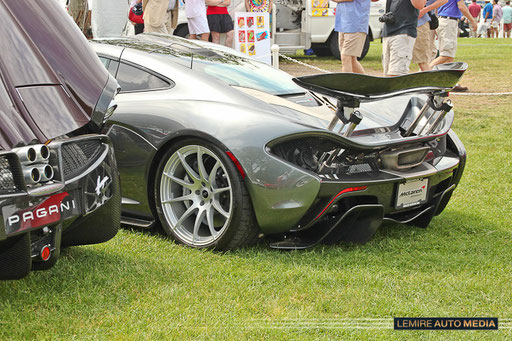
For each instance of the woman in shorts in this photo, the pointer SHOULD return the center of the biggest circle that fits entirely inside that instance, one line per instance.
(220, 21)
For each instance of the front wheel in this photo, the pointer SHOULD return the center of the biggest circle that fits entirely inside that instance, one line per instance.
(201, 199)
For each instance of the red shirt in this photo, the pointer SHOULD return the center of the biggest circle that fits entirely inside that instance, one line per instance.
(474, 9)
(216, 10)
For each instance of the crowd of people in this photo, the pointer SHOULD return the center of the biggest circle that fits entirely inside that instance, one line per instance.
(410, 30)
(489, 18)
(204, 17)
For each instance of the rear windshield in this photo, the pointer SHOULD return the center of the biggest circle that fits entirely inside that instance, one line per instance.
(233, 69)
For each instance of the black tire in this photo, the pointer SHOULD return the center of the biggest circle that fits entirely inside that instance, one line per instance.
(335, 49)
(239, 230)
(334, 45)
(181, 31)
(366, 48)
(15, 258)
(321, 50)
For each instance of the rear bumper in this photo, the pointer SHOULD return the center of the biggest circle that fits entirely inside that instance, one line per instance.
(80, 188)
(80, 206)
(334, 199)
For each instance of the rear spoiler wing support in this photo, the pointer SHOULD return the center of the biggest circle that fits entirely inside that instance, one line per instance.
(350, 89)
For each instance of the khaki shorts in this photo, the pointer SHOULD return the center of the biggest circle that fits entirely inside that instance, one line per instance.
(422, 51)
(397, 54)
(448, 32)
(351, 44)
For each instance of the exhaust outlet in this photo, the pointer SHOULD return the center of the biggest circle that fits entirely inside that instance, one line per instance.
(46, 172)
(42, 153)
(32, 176)
(27, 155)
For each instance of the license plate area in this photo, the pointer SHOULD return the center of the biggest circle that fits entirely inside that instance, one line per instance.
(411, 193)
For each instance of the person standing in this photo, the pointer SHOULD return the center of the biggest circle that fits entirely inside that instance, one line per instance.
(507, 20)
(422, 51)
(259, 6)
(474, 9)
(155, 15)
(448, 32)
(487, 16)
(220, 21)
(399, 34)
(171, 20)
(195, 11)
(351, 23)
(497, 14)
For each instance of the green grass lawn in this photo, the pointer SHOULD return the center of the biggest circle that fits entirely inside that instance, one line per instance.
(142, 286)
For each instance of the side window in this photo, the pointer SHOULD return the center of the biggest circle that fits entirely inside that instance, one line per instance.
(105, 62)
(133, 79)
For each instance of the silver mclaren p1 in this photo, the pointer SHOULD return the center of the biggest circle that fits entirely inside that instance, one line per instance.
(220, 149)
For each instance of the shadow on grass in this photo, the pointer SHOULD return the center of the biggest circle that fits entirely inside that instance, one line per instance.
(452, 232)
(133, 263)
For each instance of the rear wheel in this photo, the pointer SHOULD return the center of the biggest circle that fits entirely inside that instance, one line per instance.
(201, 198)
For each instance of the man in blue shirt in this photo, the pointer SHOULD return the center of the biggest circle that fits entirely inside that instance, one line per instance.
(487, 16)
(351, 23)
(448, 32)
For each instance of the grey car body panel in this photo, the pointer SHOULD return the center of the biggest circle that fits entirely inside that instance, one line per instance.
(272, 182)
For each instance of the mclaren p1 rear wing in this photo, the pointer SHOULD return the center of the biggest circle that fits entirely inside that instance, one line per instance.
(350, 89)
(370, 88)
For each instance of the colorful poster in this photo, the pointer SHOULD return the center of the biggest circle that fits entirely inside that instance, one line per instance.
(320, 3)
(320, 12)
(250, 36)
(260, 21)
(320, 8)
(253, 32)
(262, 35)
(250, 22)
(241, 36)
(252, 49)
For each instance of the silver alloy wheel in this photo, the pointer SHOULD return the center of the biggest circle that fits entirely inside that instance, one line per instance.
(196, 195)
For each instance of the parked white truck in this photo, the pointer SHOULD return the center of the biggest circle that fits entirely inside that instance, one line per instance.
(304, 24)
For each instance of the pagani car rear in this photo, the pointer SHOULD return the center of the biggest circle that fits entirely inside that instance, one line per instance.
(59, 183)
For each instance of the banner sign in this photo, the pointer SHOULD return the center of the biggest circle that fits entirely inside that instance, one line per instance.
(252, 35)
